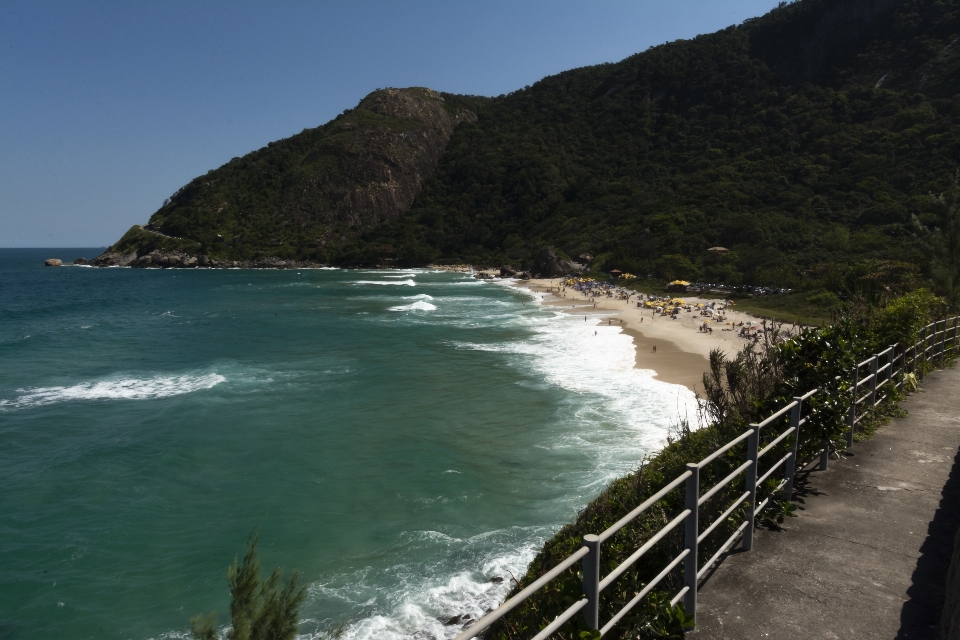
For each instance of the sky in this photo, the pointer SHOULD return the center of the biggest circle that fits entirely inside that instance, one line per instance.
(107, 108)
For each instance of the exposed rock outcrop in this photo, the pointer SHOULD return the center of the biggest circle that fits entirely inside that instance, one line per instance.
(110, 259)
(53, 262)
(547, 265)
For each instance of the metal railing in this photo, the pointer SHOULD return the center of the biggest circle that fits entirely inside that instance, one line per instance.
(872, 382)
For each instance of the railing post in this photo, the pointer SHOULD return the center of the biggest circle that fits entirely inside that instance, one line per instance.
(591, 581)
(953, 346)
(923, 353)
(873, 381)
(890, 382)
(943, 344)
(953, 341)
(690, 534)
(903, 368)
(753, 447)
(913, 360)
(790, 468)
(852, 419)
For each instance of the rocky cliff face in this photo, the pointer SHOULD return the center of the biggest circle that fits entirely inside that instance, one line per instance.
(300, 198)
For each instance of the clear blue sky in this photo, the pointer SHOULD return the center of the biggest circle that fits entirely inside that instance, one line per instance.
(107, 108)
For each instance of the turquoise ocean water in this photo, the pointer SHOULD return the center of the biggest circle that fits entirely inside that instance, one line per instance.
(401, 437)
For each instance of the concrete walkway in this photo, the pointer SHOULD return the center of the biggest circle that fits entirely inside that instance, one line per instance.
(867, 555)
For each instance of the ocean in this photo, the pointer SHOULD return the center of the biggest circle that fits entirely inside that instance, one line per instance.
(406, 439)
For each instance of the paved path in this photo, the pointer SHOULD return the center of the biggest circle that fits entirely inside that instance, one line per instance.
(867, 555)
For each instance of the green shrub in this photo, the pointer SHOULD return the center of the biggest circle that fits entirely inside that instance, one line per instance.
(260, 609)
(738, 391)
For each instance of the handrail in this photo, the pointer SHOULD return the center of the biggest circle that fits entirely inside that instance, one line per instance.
(560, 621)
(931, 345)
(626, 564)
(775, 442)
(775, 466)
(778, 414)
(723, 516)
(720, 485)
(643, 592)
(716, 454)
(483, 623)
(622, 522)
(723, 549)
(809, 394)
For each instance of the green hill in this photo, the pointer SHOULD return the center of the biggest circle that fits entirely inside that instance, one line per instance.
(306, 196)
(814, 137)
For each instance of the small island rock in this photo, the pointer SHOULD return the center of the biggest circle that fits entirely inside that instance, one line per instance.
(53, 262)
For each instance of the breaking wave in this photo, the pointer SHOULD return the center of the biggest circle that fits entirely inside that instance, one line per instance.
(114, 389)
(419, 305)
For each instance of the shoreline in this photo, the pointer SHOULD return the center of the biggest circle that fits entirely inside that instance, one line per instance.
(682, 352)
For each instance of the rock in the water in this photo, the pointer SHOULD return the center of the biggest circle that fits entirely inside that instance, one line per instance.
(506, 271)
(461, 619)
(53, 262)
(80, 261)
(548, 265)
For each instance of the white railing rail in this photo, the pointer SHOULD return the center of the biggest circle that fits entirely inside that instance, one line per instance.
(872, 382)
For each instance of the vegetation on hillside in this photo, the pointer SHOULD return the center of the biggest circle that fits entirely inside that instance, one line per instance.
(739, 391)
(819, 138)
(305, 196)
(729, 139)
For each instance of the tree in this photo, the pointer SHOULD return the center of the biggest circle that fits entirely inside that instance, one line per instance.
(946, 264)
(260, 609)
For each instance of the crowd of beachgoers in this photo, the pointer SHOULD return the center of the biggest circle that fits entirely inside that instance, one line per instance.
(713, 312)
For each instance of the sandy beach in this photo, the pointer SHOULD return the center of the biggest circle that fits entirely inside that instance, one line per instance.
(682, 351)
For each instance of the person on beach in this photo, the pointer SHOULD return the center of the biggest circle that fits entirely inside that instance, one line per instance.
(654, 348)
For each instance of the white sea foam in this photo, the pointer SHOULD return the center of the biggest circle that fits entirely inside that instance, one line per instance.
(419, 305)
(613, 412)
(114, 389)
(419, 296)
(402, 275)
(424, 602)
(409, 283)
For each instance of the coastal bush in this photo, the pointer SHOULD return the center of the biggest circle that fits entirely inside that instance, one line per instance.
(260, 609)
(737, 391)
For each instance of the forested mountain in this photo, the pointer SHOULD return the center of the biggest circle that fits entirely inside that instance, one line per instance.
(820, 134)
(307, 195)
